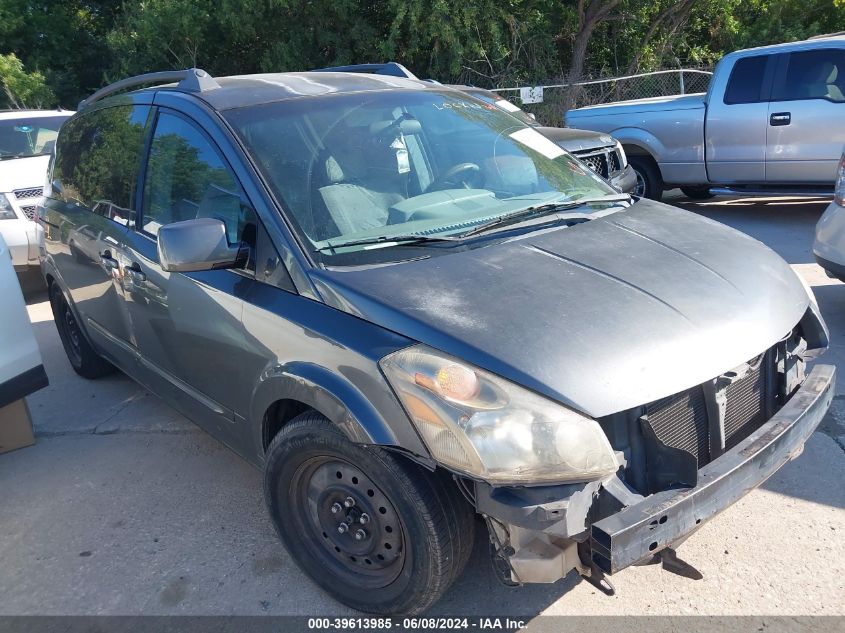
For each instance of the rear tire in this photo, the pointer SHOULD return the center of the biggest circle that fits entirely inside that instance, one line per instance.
(700, 192)
(85, 361)
(649, 181)
(413, 543)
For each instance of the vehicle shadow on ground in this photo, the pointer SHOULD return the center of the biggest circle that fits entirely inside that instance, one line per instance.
(33, 287)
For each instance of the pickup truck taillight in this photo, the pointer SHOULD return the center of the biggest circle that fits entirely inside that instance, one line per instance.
(839, 191)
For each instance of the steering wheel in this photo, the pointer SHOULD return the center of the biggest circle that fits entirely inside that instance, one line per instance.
(450, 177)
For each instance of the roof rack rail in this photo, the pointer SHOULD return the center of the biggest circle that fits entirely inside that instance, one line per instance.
(191, 80)
(393, 69)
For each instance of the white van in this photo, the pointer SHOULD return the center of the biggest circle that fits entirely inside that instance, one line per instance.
(27, 138)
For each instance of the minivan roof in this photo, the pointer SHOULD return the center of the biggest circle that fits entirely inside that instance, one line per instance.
(225, 93)
(244, 90)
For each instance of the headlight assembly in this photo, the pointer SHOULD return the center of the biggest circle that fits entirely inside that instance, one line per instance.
(6, 210)
(487, 427)
(623, 159)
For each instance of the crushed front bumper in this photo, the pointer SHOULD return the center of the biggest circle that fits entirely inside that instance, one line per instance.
(637, 532)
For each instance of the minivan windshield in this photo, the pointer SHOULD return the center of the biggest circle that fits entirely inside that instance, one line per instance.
(29, 136)
(503, 104)
(352, 171)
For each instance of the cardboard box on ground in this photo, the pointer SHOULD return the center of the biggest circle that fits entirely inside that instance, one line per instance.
(15, 426)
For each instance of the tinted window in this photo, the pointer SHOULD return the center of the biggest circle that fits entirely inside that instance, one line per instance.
(814, 75)
(97, 160)
(187, 178)
(31, 136)
(746, 82)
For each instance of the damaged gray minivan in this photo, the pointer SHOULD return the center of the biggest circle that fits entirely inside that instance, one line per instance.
(409, 308)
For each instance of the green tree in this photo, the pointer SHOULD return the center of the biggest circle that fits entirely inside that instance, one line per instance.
(23, 89)
(65, 39)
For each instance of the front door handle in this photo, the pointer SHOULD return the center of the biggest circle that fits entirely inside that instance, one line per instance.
(780, 118)
(135, 274)
(108, 262)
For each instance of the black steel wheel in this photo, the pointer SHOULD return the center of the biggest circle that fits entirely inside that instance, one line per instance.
(84, 360)
(374, 530)
(359, 526)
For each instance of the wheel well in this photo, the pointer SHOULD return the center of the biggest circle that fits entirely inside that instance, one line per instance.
(636, 150)
(278, 415)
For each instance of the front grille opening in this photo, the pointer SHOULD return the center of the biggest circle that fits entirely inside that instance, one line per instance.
(680, 421)
(22, 194)
(694, 422)
(748, 401)
(596, 162)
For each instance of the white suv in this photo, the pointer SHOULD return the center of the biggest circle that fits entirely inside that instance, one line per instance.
(27, 138)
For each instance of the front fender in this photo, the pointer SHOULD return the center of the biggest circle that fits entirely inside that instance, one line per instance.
(337, 398)
(642, 139)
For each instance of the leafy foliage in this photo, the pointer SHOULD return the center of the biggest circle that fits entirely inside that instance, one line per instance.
(75, 46)
(23, 89)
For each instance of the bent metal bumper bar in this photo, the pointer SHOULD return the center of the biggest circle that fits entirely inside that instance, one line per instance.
(639, 531)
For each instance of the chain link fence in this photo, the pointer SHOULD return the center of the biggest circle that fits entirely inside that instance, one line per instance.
(660, 83)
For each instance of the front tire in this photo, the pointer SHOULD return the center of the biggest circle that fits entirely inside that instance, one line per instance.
(649, 180)
(374, 530)
(83, 358)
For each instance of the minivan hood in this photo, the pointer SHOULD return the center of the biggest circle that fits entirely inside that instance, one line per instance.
(601, 316)
(23, 173)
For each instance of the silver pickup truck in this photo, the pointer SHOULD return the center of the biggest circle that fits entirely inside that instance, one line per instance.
(773, 119)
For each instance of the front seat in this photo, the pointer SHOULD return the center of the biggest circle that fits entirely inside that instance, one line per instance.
(364, 181)
(823, 85)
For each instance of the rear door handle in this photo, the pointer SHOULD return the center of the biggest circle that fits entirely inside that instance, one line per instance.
(780, 118)
(107, 260)
(135, 273)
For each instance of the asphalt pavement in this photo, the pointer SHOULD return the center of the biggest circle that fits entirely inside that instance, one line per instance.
(125, 507)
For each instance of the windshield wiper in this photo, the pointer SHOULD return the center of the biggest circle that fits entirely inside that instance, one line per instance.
(540, 209)
(391, 240)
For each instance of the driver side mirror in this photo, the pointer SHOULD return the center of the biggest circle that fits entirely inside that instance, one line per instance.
(200, 244)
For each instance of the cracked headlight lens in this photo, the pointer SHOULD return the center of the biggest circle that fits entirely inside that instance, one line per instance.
(488, 427)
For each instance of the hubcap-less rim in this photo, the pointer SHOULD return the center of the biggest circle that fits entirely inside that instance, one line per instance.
(639, 189)
(355, 526)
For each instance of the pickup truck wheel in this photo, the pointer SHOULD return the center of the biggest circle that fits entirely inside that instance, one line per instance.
(701, 192)
(374, 530)
(84, 360)
(649, 181)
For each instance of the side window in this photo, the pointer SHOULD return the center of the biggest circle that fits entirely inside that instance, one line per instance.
(746, 81)
(818, 74)
(186, 178)
(97, 158)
